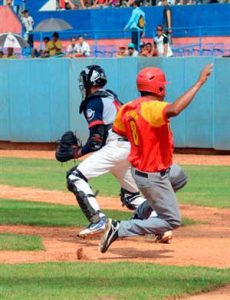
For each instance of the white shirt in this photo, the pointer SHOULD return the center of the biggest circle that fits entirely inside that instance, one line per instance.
(72, 49)
(160, 42)
(28, 23)
(84, 49)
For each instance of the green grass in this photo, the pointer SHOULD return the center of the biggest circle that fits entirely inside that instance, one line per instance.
(89, 281)
(46, 214)
(208, 185)
(9, 241)
(48, 174)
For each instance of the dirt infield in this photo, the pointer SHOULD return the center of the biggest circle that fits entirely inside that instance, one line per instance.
(213, 237)
(199, 245)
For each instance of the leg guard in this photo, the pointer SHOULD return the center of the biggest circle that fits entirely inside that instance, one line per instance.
(78, 184)
(130, 200)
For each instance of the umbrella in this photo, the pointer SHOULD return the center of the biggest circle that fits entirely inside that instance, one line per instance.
(10, 40)
(52, 24)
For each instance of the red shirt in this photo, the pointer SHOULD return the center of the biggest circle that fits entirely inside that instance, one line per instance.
(146, 126)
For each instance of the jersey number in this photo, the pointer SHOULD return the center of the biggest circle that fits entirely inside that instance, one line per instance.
(134, 132)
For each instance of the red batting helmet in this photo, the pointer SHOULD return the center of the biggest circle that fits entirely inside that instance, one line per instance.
(151, 80)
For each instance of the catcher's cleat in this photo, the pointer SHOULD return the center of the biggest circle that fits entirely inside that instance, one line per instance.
(110, 235)
(93, 229)
(164, 238)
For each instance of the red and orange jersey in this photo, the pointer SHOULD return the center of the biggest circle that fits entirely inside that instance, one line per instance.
(144, 123)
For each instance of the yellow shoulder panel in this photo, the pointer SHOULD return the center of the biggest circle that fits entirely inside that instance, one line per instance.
(152, 112)
(118, 121)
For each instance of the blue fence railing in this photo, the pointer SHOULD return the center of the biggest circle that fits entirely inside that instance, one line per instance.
(109, 49)
(178, 32)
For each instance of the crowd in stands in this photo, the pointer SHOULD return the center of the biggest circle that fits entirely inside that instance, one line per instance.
(19, 5)
(9, 53)
(83, 4)
(78, 47)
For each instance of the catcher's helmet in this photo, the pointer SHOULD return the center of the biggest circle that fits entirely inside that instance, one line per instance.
(151, 80)
(92, 75)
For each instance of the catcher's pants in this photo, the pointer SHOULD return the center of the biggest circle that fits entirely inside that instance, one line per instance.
(113, 158)
(158, 190)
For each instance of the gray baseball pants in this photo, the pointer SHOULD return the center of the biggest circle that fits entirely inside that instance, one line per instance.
(159, 190)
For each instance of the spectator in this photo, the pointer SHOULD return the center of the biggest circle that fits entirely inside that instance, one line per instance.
(28, 23)
(43, 52)
(167, 19)
(142, 49)
(131, 50)
(124, 3)
(151, 50)
(183, 2)
(72, 48)
(80, 3)
(148, 50)
(8, 3)
(100, 3)
(61, 4)
(162, 43)
(114, 3)
(69, 4)
(54, 47)
(153, 2)
(170, 2)
(83, 48)
(122, 51)
(136, 24)
(10, 53)
(1, 54)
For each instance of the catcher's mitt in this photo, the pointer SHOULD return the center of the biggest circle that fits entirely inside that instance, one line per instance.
(68, 147)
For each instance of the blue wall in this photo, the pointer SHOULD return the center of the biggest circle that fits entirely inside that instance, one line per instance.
(212, 20)
(39, 99)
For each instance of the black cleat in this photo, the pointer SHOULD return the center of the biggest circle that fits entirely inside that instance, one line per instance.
(110, 235)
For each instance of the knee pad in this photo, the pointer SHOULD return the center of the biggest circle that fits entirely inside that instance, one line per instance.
(74, 179)
(72, 176)
(130, 200)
